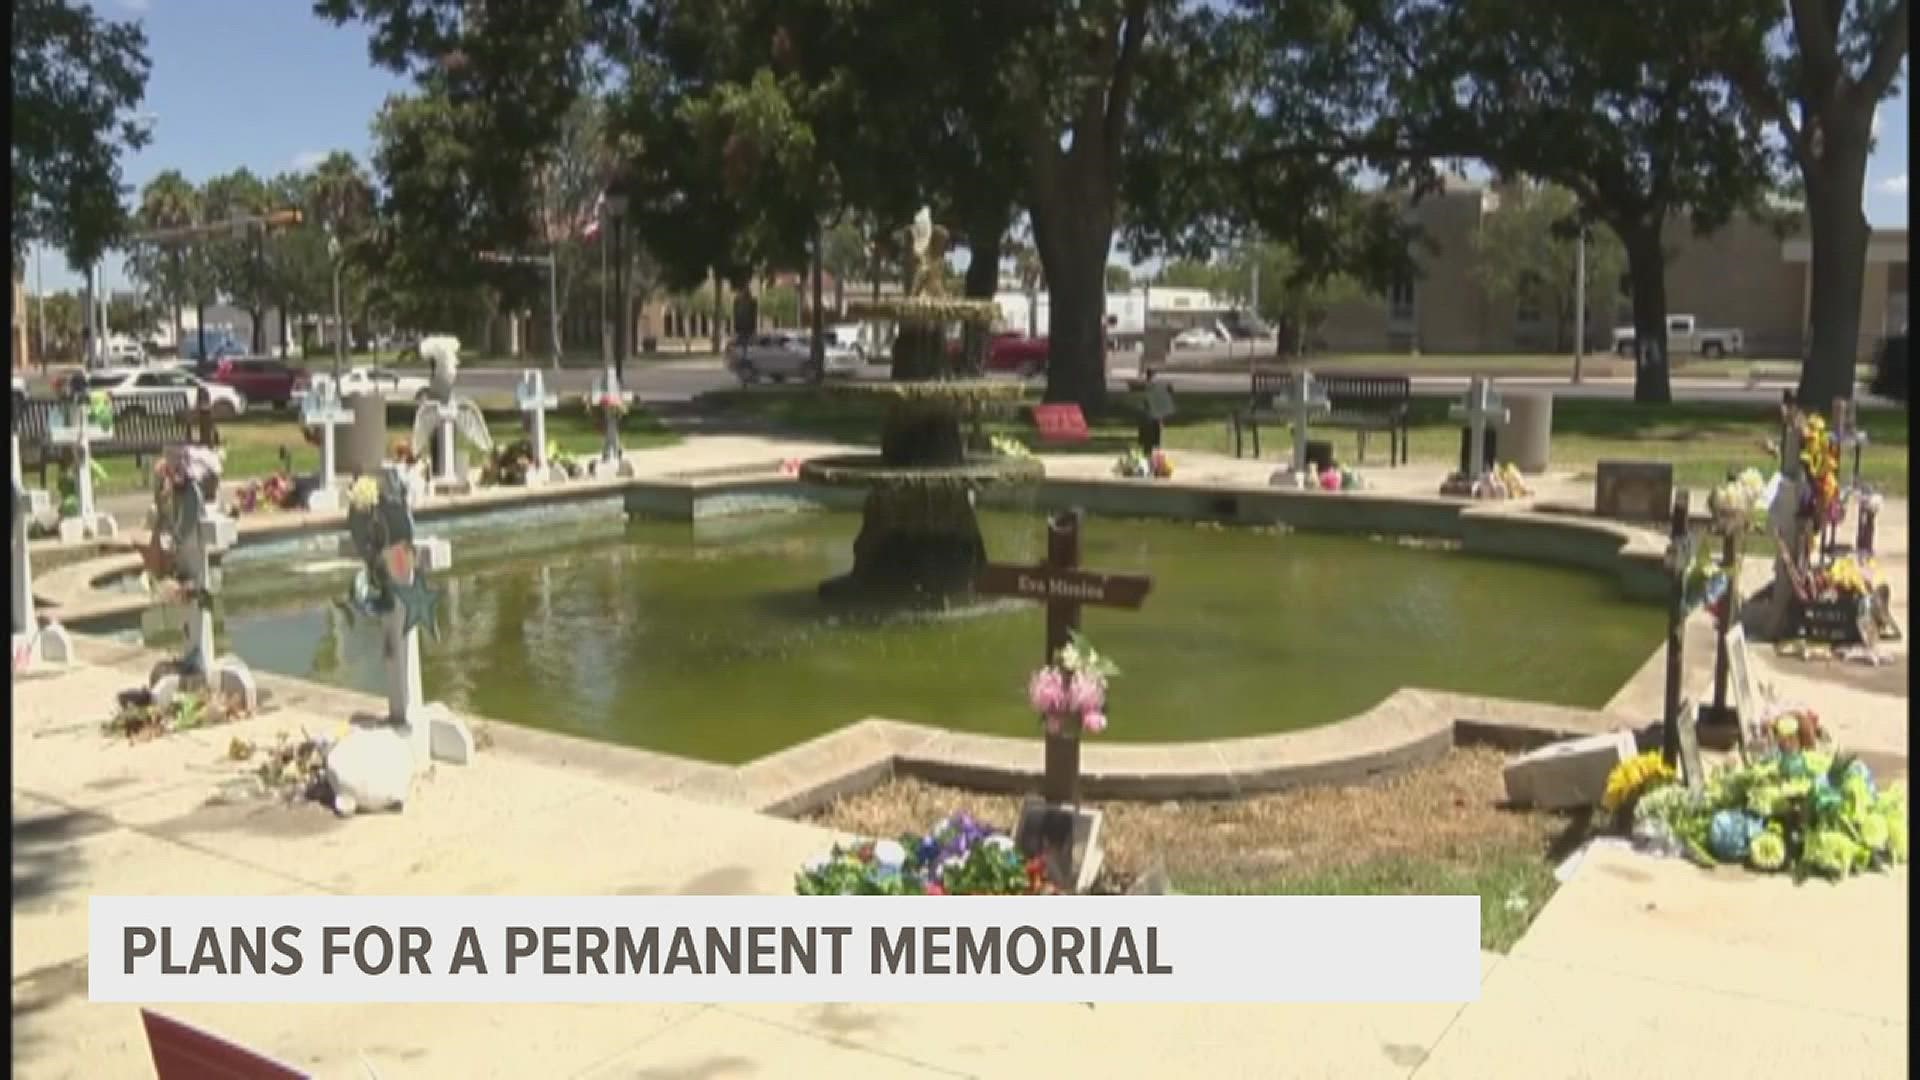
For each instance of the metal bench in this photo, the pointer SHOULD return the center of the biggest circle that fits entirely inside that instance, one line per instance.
(142, 428)
(1359, 403)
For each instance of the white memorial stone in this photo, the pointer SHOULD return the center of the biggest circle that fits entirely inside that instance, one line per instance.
(74, 426)
(371, 769)
(1481, 407)
(1567, 775)
(32, 643)
(1303, 400)
(322, 408)
(533, 401)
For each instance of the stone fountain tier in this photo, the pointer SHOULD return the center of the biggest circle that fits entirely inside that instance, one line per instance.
(919, 541)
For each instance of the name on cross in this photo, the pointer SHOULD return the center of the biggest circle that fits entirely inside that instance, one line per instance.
(1076, 586)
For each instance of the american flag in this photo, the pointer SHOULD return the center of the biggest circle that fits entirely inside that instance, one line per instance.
(593, 223)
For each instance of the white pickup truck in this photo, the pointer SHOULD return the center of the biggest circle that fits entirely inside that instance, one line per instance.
(1684, 338)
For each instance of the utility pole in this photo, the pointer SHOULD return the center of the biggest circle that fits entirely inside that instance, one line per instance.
(1579, 303)
(339, 324)
(40, 290)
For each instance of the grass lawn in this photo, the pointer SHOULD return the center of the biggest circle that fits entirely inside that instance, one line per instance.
(1512, 886)
(253, 442)
(1702, 439)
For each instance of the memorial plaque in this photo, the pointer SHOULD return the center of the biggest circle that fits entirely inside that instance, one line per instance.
(1075, 586)
(1633, 490)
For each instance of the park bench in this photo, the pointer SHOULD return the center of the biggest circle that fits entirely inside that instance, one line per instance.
(1359, 403)
(142, 428)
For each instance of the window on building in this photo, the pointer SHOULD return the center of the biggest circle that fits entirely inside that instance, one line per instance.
(1400, 300)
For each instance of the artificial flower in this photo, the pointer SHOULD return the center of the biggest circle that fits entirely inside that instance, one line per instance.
(364, 493)
(1086, 692)
(1047, 691)
(1632, 777)
(1730, 834)
(889, 853)
(1768, 851)
(1330, 480)
(1095, 722)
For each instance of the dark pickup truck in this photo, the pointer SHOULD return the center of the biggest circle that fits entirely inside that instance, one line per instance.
(260, 379)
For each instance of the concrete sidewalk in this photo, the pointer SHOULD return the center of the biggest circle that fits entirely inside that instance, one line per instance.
(1638, 967)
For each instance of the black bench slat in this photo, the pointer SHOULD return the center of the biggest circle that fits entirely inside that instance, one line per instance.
(1361, 403)
(142, 427)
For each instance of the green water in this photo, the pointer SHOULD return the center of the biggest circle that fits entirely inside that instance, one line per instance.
(714, 647)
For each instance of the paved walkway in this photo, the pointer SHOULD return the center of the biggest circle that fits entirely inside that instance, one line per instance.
(1638, 967)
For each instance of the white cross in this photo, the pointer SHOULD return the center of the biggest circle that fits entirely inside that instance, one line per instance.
(215, 533)
(74, 426)
(1303, 400)
(606, 387)
(1481, 406)
(533, 401)
(322, 408)
(31, 642)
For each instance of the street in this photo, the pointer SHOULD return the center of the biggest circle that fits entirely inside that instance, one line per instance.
(682, 380)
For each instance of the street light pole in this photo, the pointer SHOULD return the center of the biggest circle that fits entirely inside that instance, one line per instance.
(1579, 303)
(553, 303)
(339, 325)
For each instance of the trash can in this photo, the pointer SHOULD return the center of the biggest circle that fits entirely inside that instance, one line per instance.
(366, 442)
(1527, 436)
(1490, 443)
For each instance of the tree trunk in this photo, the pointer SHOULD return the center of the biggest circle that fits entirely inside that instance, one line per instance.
(259, 316)
(716, 313)
(818, 349)
(1073, 229)
(1647, 267)
(1838, 267)
(200, 327)
(984, 236)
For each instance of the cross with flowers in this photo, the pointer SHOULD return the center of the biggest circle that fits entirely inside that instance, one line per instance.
(1075, 678)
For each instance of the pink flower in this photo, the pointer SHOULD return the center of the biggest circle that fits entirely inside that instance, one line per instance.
(1086, 693)
(1330, 480)
(1094, 722)
(1047, 691)
(934, 888)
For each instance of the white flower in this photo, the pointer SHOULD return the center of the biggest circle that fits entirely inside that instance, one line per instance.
(889, 853)
(1000, 842)
(1070, 657)
(815, 864)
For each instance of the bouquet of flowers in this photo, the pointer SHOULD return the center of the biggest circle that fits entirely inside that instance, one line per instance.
(599, 405)
(1141, 466)
(1632, 778)
(959, 856)
(1740, 504)
(508, 464)
(100, 410)
(1006, 446)
(274, 492)
(1071, 693)
(1501, 482)
(1332, 478)
(1820, 499)
(1789, 729)
(1846, 578)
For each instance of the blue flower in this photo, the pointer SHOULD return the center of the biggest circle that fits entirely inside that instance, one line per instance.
(1859, 769)
(1730, 834)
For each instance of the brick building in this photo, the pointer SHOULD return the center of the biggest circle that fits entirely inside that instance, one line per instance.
(1745, 276)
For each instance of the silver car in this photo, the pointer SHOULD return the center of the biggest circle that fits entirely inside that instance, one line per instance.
(783, 355)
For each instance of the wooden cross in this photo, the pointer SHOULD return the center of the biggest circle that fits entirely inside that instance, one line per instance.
(1481, 405)
(531, 397)
(1303, 399)
(1680, 552)
(1064, 588)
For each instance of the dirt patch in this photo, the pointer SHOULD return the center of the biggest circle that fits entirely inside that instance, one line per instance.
(1450, 813)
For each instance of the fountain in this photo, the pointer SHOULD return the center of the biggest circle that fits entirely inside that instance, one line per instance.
(919, 540)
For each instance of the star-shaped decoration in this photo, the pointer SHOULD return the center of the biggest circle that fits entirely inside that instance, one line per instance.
(419, 602)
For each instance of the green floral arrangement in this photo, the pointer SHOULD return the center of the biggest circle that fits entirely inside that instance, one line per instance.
(100, 410)
(1805, 812)
(1007, 446)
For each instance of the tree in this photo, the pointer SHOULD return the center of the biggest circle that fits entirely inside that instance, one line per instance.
(237, 257)
(847, 254)
(569, 188)
(1119, 278)
(1526, 251)
(428, 225)
(1818, 70)
(171, 270)
(1615, 102)
(76, 80)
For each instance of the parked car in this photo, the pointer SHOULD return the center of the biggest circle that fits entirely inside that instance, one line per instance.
(1890, 369)
(132, 384)
(847, 336)
(1198, 337)
(386, 382)
(1016, 352)
(123, 350)
(261, 379)
(1685, 337)
(778, 356)
(219, 344)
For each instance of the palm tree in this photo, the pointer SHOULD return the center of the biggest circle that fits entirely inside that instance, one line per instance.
(341, 200)
(167, 202)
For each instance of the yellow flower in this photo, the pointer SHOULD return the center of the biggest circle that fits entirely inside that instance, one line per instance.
(364, 493)
(1632, 777)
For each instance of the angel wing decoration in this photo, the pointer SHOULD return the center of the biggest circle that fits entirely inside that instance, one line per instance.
(443, 353)
(472, 425)
(426, 423)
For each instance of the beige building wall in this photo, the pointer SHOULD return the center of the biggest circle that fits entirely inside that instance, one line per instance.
(1746, 276)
